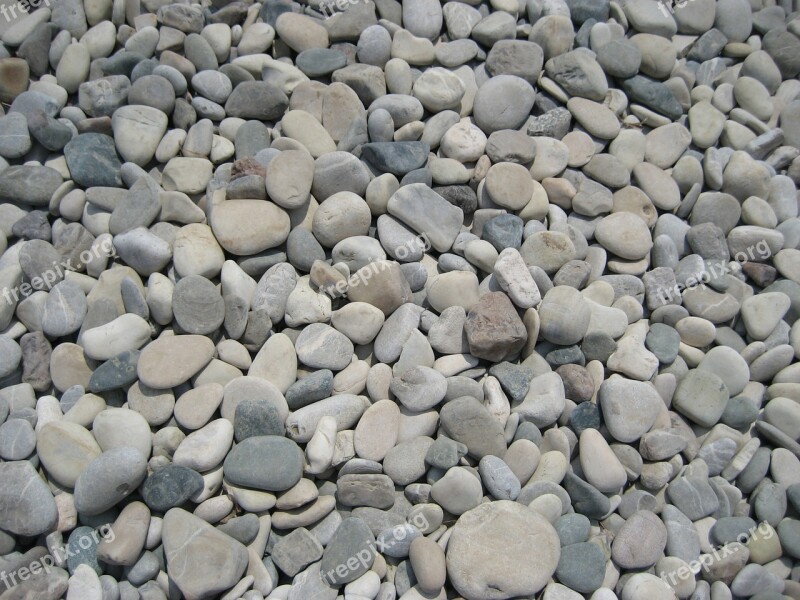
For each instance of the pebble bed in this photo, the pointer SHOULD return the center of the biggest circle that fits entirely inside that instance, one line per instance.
(375, 300)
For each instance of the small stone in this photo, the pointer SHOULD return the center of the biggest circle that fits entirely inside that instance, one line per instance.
(701, 396)
(640, 541)
(171, 486)
(321, 346)
(581, 567)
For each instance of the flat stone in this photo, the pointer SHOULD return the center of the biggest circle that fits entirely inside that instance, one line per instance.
(64, 309)
(564, 316)
(640, 541)
(352, 538)
(701, 396)
(581, 567)
(65, 450)
(419, 388)
(169, 361)
(28, 184)
(257, 417)
(397, 158)
(457, 491)
(242, 465)
(503, 102)
(428, 213)
(579, 74)
(256, 100)
(693, 496)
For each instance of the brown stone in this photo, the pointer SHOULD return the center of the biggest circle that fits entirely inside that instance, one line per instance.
(578, 383)
(36, 351)
(247, 166)
(382, 284)
(762, 274)
(494, 329)
(14, 78)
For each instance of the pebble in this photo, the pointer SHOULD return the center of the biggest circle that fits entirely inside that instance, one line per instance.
(171, 486)
(701, 396)
(241, 463)
(186, 354)
(640, 541)
(108, 479)
(629, 408)
(581, 567)
(321, 346)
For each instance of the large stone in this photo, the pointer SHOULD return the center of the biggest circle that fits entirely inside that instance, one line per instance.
(108, 479)
(501, 550)
(467, 421)
(629, 407)
(349, 554)
(426, 212)
(246, 227)
(27, 506)
(201, 560)
(92, 160)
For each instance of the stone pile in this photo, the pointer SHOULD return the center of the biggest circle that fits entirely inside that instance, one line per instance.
(419, 300)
